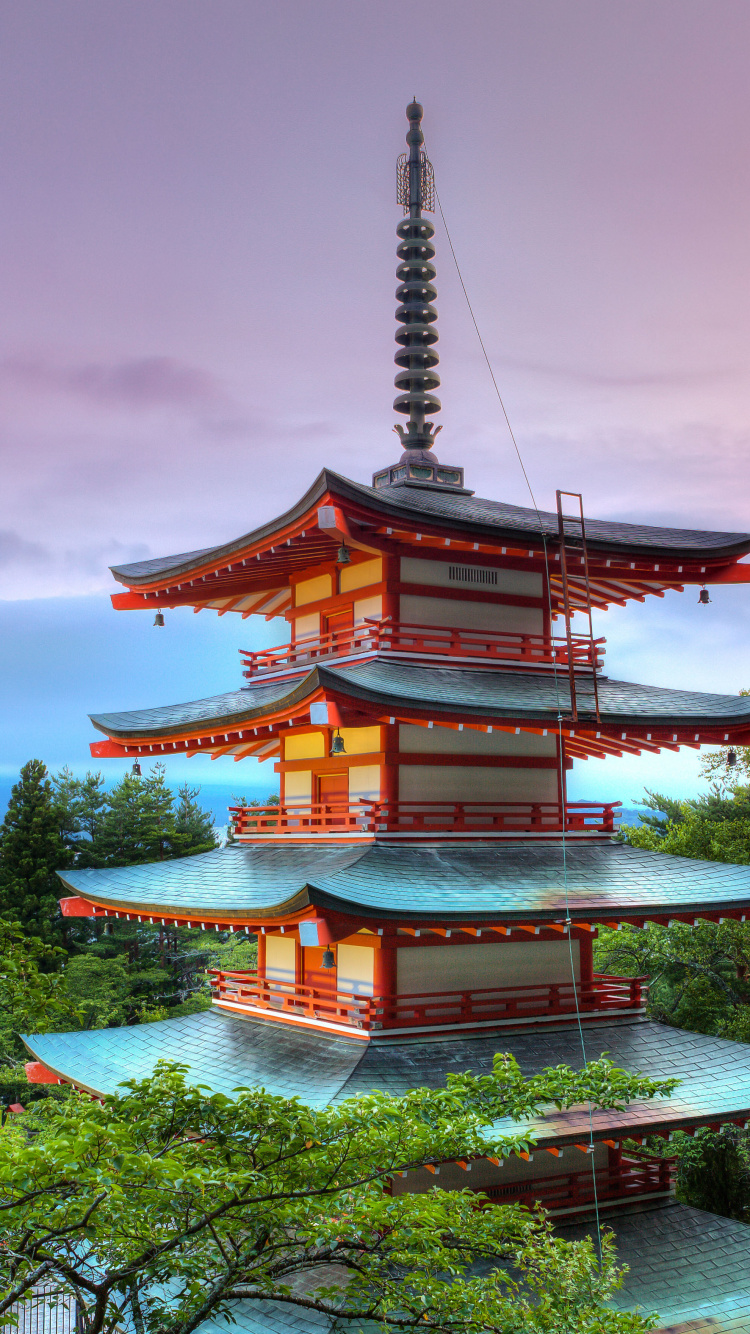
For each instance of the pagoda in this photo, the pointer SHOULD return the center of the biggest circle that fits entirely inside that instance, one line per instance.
(425, 894)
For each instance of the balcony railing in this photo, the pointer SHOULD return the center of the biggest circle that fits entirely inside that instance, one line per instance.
(571, 1190)
(384, 1014)
(483, 646)
(423, 818)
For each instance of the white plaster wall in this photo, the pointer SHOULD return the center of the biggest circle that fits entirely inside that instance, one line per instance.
(355, 969)
(421, 782)
(306, 627)
(280, 958)
(313, 590)
(445, 741)
(364, 782)
(425, 969)
(460, 615)
(415, 570)
(368, 609)
(298, 785)
(359, 576)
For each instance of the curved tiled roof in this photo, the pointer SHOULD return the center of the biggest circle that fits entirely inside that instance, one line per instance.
(227, 1052)
(447, 509)
(440, 882)
(683, 1262)
(484, 693)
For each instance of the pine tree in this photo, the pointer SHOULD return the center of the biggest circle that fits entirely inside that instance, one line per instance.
(82, 803)
(141, 824)
(32, 849)
(193, 827)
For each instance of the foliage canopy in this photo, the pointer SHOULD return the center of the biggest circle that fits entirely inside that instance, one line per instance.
(166, 1204)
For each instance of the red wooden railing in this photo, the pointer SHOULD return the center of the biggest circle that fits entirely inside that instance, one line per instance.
(423, 817)
(489, 646)
(635, 1176)
(393, 1013)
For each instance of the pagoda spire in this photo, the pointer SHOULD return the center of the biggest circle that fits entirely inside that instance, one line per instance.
(416, 335)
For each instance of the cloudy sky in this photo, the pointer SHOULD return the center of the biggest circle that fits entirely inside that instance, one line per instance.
(197, 268)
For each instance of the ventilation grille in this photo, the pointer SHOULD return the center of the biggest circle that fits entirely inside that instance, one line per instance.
(471, 574)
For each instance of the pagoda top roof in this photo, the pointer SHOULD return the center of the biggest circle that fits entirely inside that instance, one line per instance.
(429, 884)
(385, 685)
(451, 512)
(227, 1053)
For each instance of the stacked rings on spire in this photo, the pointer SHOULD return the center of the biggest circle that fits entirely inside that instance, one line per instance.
(417, 316)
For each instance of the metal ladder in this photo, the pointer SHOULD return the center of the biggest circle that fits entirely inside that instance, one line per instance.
(581, 547)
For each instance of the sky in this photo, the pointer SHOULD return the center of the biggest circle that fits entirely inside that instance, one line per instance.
(197, 262)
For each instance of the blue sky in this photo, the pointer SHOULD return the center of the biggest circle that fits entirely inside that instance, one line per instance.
(197, 258)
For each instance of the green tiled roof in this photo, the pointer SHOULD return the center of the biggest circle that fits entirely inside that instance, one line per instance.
(220, 1050)
(448, 510)
(226, 1052)
(438, 882)
(496, 694)
(688, 1265)
(685, 1264)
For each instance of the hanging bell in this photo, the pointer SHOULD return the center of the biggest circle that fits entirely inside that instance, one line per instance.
(343, 557)
(159, 618)
(703, 597)
(337, 745)
(731, 758)
(329, 958)
(136, 769)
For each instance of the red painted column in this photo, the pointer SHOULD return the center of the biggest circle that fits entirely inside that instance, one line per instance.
(586, 947)
(389, 767)
(261, 955)
(385, 972)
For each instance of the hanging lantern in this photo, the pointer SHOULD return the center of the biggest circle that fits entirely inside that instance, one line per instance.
(159, 618)
(337, 745)
(343, 557)
(703, 597)
(329, 958)
(136, 769)
(731, 758)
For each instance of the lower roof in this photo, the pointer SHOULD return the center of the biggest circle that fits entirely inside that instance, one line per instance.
(434, 883)
(226, 1052)
(689, 1265)
(389, 685)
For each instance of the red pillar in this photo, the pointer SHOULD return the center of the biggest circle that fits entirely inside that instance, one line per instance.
(586, 947)
(261, 955)
(391, 573)
(385, 981)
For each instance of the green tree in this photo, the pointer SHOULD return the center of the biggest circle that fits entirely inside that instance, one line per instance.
(193, 827)
(714, 1171)
(32, 991)
(101, 989)
(165, 1205)
(141, 824)
(82, 802)
(698, 974)
(32, 849)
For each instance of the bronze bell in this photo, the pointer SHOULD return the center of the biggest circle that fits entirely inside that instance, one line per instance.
(329, 958)
(337, 745)
(703, 597)
(731, 758)
(136, 770)
(159, 618)
(343, 557)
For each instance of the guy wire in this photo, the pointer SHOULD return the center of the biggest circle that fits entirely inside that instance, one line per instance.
(559, 711)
